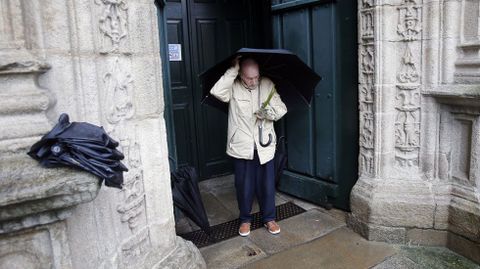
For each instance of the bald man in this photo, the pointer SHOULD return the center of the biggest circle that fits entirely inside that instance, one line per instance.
(245, 90)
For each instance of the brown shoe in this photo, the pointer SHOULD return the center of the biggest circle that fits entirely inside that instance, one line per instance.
(244, 229)
(272, 227)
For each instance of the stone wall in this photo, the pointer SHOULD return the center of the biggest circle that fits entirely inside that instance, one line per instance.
(98, 61)
(419, 70)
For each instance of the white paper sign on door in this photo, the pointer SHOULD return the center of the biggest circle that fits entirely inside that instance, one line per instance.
(174, 52)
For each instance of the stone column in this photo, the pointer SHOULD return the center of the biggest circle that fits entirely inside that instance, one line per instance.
(418, 130)
(34, 202)
(103, 64)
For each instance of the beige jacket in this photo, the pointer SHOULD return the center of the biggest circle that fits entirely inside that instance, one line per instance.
(242, 123)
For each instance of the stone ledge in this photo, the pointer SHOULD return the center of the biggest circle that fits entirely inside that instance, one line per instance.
(32, 195)
(19, 66)
(456, 94)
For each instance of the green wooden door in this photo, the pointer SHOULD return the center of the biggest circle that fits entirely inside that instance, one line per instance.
(206, 32)
(322, 139)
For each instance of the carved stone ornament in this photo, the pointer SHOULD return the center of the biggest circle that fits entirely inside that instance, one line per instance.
(408, 97)
(113, 24)
(367, 3)
(366, 106)
(407, 126)
(408, 70)
(409, 22)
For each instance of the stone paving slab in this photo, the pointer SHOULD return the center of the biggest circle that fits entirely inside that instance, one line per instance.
(218, 183)
(231, 253)
(223, 189)
(437, 257)
(336, 213)
(229, 201)
(296, 230)
(340, 249)
(398, 262)
(216, 212)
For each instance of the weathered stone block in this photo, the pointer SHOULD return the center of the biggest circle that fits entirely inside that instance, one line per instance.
(426, 237)
(464, 246)
(41, 247)
(464, 219)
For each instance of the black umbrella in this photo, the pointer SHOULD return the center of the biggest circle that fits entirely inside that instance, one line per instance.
(280, 159)
(294, 80)
(81, 145)
(186, 196)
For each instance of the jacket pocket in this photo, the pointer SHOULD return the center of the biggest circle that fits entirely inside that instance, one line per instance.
(230, 138)
(244, 106)
(241, 143)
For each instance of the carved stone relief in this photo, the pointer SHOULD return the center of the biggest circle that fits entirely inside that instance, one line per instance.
(408, 98)
(367, 92)
(135, 248)
(113, 24)
(119, 114)
(409, 21)
(367, 3)
(367, 24)
(408, 70)
(407, 125)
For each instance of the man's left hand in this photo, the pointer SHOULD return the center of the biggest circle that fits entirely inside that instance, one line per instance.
(265, 113)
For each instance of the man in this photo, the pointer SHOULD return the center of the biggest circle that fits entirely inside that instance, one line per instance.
(253, 159)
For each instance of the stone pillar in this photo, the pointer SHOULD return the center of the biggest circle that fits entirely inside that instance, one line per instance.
(100, 61)
(34, 202)
(419, 124)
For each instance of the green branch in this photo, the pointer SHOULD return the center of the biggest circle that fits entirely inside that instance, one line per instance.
(270, 95)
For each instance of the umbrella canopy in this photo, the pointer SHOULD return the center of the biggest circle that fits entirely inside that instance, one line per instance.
(186, 196)
(81, 145)
(294, 80)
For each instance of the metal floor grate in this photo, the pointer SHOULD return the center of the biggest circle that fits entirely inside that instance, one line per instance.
(229, 229)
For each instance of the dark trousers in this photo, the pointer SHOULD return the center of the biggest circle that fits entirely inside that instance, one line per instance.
(251, 179)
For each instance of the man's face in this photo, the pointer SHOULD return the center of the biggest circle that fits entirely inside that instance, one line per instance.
(249, 73)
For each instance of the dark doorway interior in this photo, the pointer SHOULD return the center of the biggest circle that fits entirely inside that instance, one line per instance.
(206, 32)
(322, 140)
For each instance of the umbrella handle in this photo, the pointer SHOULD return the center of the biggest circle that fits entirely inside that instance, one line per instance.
(260, 137)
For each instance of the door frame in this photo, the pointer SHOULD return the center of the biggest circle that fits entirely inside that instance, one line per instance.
(257, 39)
(167, 93)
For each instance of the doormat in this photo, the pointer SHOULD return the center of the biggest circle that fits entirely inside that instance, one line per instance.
(224, 231)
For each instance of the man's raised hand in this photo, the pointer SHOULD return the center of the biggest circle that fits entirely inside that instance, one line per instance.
(236, 62)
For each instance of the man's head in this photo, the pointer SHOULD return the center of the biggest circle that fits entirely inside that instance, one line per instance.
(249, 72)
